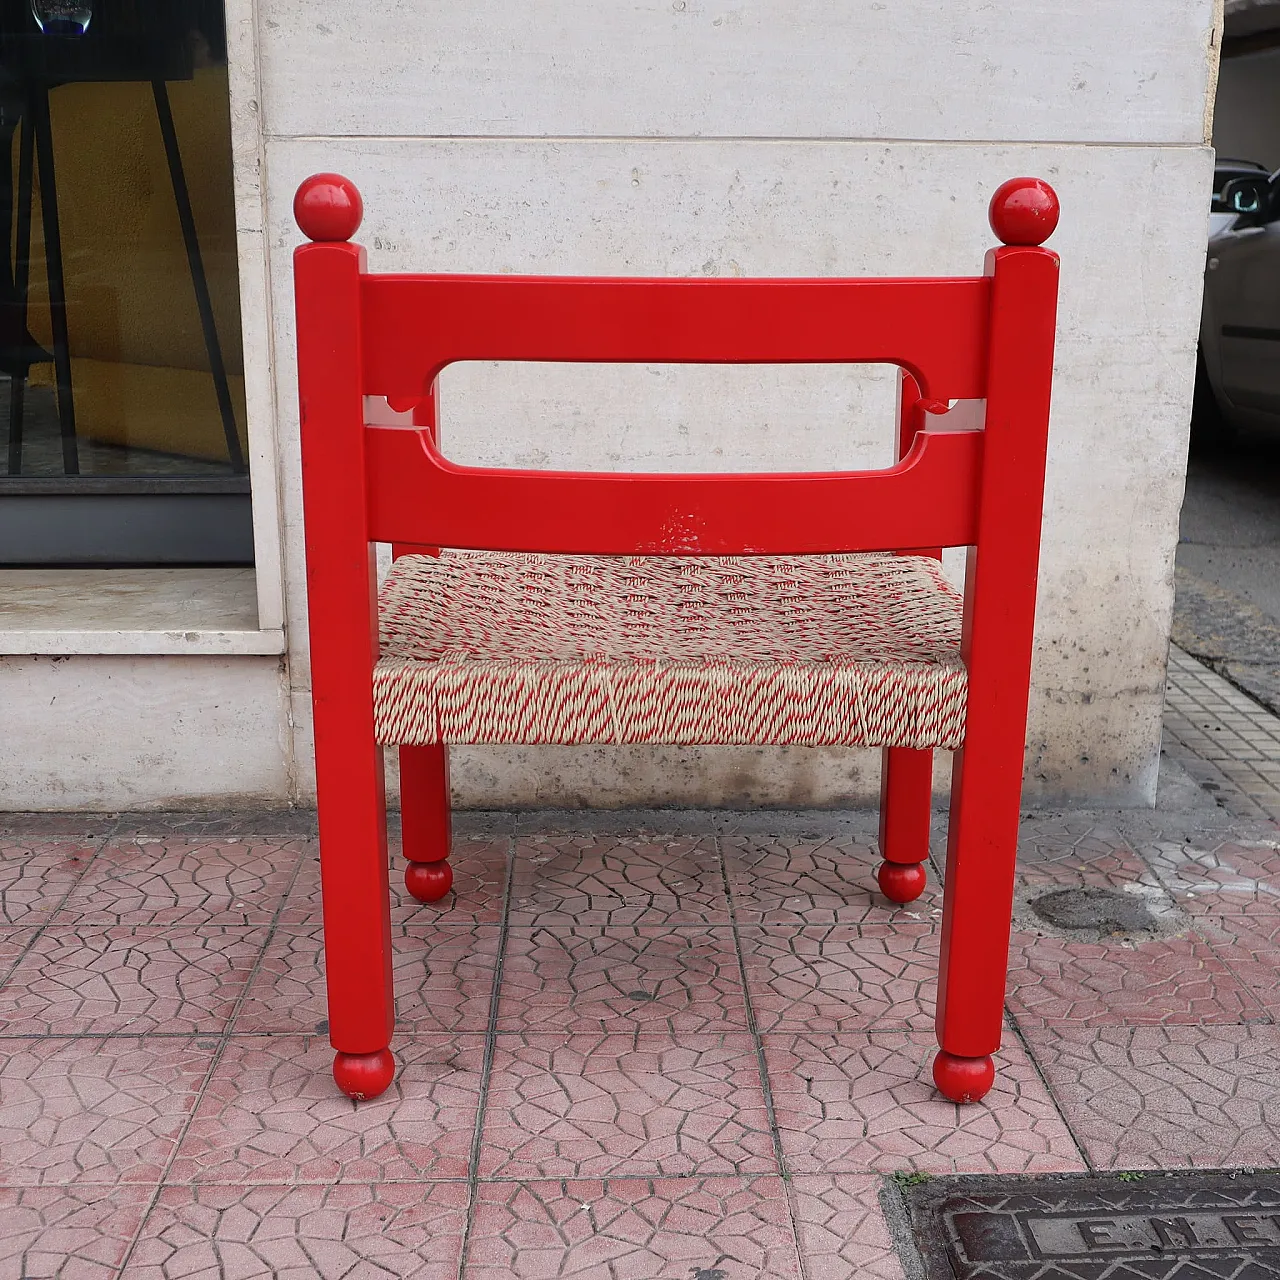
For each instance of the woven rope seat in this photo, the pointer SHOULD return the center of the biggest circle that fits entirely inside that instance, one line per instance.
(834, 650)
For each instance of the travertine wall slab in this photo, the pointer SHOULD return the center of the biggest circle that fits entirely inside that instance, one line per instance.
(1129, 312)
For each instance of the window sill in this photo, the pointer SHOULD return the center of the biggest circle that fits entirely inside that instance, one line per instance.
(132, 611)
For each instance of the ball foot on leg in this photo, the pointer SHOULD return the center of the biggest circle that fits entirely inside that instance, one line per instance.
(963, 1079)
(364, 1075)
(901, 882)
(428, 881)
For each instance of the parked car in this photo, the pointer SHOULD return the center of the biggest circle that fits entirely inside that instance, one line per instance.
(1238, 371)
(1223, 172)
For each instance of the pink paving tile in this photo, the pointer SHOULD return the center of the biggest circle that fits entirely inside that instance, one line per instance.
(272, 1114)
(1167, 1097)
(1250, 946)
(591, 979)
(1097, 856)
(148, 881)
(608, 880)
(82, 1233)
(13, 942)
(842, 1229)
(841, 977)
(797, 882)
(444, 977)
(1227, 879)
(1050, 836)
(479, 882)
(599, 1105)
(347, 1231)
(861, 1102)
(633, 1229)
(95, 979)
(91, 1110)
(1159, 980)
(36, 876)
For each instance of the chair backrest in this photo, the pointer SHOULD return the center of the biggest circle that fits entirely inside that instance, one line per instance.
(985, 339)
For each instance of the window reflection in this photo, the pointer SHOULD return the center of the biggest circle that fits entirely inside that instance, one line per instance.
(120, 348)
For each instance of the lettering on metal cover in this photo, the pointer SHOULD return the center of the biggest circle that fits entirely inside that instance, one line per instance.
(1211, 1226)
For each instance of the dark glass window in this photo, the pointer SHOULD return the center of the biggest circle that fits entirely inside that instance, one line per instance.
(121, 377)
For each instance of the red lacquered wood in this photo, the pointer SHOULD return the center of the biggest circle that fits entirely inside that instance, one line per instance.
(1000, 598)
(425, 818)
(963, 1080)
(970, 475)
(913, 418)
(901, 882)
(910, 412)
(417, 496)
(341, 584)
(426, 413)
(425, 807)
(906, 776)
(362, 1076)
(415, 325)
(428, 881)
(1024, 211)
(328, 207)
(906, 798)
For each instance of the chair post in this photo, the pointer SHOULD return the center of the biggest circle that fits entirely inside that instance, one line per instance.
(426, 822)
(906, 775)
(1000, 596)
(341, 602)
(906, 795)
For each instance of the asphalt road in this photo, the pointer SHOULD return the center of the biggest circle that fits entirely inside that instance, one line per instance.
(1227, 608)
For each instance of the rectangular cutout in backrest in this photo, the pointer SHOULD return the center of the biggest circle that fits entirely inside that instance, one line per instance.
(685, 418)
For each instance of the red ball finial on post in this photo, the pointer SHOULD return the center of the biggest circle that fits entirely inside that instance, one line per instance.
(328, 207)
(1024, 211)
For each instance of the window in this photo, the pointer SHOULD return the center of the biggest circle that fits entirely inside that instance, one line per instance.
(121, 382)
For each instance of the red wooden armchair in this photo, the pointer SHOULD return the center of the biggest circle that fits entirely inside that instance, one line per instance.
(575, 608)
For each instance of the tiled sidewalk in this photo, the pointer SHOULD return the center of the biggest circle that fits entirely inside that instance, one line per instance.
(639, 1048)
(1226, 740)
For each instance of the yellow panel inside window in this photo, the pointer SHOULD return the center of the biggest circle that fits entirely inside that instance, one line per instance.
(140, 367)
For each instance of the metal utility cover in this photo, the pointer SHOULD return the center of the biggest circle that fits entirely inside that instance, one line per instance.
(1210, 1226)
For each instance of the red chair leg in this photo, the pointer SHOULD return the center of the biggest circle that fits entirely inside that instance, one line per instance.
(341, 602)
(426, 820)
(906, 792)
(982, 843)
(357, 915)
(996, 646)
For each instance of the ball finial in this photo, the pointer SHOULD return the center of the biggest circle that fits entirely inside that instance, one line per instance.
(328, 207)
(1024, 211)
